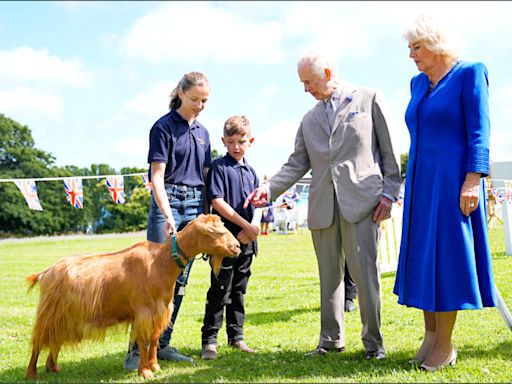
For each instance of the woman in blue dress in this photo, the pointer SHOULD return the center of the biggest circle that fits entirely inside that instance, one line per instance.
(445, 263)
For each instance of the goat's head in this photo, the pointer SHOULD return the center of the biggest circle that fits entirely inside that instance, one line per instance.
(212, 237)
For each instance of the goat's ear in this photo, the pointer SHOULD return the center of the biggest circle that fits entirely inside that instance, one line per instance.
(216, 263)
(216, 230)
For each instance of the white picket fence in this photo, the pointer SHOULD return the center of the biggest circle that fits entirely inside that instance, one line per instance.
(389, 244)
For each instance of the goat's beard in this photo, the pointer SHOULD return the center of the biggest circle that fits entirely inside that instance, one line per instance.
(216, 263)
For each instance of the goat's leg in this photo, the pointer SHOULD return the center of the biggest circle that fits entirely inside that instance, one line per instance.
(32, 365)
(51, 361)
(144, 369)
(153, 345)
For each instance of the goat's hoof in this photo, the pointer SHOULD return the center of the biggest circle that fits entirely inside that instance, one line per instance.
(32, 375)
(53, 368)
(155, 367)
(146, 373)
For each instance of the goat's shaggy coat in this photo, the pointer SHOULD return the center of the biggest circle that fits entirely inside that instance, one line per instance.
(81, 296)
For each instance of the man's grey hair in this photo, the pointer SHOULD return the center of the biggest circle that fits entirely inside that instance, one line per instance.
(427, 30)
(318, 61)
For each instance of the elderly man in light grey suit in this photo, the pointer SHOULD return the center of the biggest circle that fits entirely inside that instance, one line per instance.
(344, 140)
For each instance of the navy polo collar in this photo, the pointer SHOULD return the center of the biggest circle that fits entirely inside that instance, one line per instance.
(230, 160)
(179, 119)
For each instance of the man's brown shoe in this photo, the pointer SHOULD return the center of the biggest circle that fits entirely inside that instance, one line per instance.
(321, 351)
(209, 352)
(242, 346)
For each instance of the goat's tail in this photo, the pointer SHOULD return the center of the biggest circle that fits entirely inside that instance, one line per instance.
(34, 279)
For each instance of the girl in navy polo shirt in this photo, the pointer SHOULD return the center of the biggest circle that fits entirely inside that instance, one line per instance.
(179, 155)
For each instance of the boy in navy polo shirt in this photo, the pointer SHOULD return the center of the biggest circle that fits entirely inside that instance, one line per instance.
(230, 180)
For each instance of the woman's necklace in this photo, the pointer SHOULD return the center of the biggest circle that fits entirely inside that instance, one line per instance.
(448, 69)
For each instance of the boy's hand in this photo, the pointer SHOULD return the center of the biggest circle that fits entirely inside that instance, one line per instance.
(251, 231)
(243, 238)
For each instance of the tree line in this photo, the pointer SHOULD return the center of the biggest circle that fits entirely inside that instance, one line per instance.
(20, 158)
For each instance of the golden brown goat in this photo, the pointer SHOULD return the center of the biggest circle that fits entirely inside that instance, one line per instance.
(81, 296)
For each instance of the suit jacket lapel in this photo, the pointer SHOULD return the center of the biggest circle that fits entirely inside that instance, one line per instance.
(321, 116)
(346, 96)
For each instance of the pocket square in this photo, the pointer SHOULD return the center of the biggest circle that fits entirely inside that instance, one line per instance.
(352, 114)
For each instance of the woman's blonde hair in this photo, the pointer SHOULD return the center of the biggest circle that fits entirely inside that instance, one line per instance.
(189, 80)
(428, 31)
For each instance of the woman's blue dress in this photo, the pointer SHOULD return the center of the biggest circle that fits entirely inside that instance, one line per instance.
(445, 261)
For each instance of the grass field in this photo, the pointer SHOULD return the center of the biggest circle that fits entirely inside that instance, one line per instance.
(282, 323)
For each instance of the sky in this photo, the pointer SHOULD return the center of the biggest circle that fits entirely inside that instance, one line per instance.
(90, 78)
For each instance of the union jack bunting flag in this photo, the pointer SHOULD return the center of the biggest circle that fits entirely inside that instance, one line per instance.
(115, 185)
(500, 197)
(28, 189)
(74, 191)
(495, 193)
(146, 181)
(508, 194)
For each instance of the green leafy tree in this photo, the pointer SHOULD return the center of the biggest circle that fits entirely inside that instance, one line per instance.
(132, 215)
(98, 196)
(128, 217)
(19, 158)
(404, 159)
(130, 183)
(216, 154)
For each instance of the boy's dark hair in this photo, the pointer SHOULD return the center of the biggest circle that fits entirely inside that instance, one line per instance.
(237, 125)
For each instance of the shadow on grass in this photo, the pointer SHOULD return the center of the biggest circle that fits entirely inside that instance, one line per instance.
(234, 366)
(259, 318)
(503, 349)
(231, 366)
(91, 370)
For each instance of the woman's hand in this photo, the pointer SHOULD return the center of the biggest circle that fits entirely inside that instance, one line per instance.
(469, 193)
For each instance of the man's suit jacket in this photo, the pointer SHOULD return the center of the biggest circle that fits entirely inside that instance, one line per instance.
(354, 164)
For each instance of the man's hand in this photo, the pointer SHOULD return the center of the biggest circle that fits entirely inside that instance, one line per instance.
(258, 198)
(383, 209)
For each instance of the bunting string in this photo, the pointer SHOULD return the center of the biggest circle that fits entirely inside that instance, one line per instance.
(79, 177)
(73, 188)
